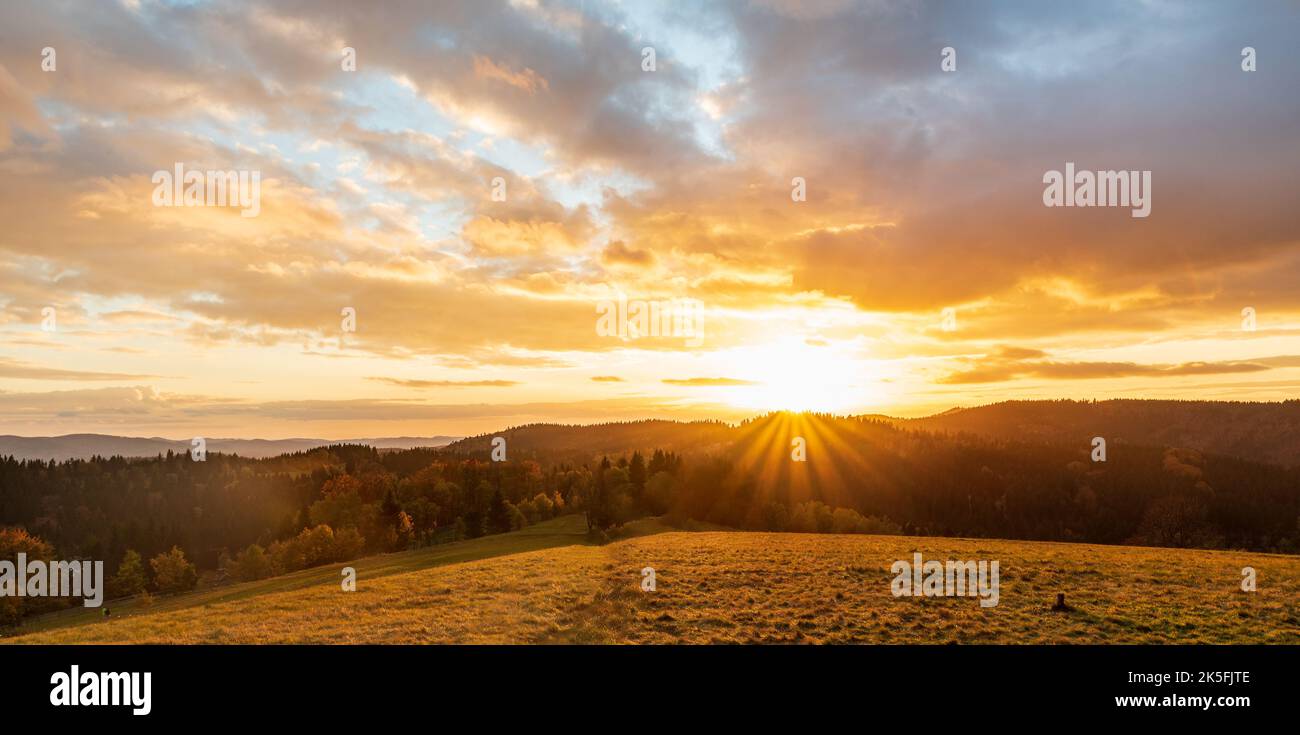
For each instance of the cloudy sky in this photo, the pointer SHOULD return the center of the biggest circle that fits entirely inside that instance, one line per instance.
(493, 172)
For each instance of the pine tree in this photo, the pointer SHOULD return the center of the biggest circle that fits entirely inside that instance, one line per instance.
(129, 579)
(636, 474)
(599, 512)
(498, 514)
(390, 508)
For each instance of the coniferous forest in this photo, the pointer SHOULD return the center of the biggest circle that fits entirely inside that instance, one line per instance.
(241, 519)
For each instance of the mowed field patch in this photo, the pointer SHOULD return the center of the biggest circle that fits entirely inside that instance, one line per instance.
(805, 588)
(734, 587)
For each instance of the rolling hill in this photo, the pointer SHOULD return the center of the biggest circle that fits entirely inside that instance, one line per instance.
(1264, 432)
(583, 442)
(968, 477)
(85, 446)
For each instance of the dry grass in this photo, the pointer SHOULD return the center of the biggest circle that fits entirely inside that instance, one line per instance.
(768, 588)
(722, 587)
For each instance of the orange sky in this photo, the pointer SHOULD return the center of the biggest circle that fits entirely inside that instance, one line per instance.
(924, 197)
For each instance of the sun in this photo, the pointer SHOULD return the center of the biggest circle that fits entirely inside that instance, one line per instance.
(793, 375)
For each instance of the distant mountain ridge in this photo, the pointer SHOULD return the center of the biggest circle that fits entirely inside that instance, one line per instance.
(585, 441)
(1264, 432)
(85, 446)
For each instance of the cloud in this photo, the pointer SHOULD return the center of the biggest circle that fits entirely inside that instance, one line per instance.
(136, 316)
(1007, 366)
(924, 188)
(446, 383)
(707, 381)
(619, 253)
(525, 79)
(141, 409)
(15, 369)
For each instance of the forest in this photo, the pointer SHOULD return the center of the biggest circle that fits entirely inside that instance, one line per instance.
(230, 518)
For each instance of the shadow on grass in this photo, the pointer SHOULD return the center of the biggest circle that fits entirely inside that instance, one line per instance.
(567, 530)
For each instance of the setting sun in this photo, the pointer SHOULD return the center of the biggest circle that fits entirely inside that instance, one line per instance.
(792, 375)
(566, 322)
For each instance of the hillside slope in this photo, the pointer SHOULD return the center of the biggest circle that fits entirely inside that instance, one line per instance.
(727, 587)
(1264, 432)
(584, 442)
(85, 446)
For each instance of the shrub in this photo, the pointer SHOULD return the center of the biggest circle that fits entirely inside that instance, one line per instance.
(812, 517)
(251, 564)
(316, 545)
(12, 542)
(286, 556)
(529, 509)
(130, 577)
(348, 544)
(172, 572)
(517, 519)
(544, 506)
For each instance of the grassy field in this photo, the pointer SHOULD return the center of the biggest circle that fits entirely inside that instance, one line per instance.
(545, 585)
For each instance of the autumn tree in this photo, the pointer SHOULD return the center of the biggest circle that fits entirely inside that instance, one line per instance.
(172, 572)
(130, 578)
(251, 564)
(498, 514)
(14, 541)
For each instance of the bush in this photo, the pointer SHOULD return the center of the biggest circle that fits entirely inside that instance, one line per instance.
(172, 572)
(405, 531)
(251, 564)
(882, 527)
(130, 577)
(348, 544)
(312, 547)
(544, 506)
(12, 542)
(818, 517)
(529, 511)
(812, 517)
(286, 556)
(317, 545)
(517, 519)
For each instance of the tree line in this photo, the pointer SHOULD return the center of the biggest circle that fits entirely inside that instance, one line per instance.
(234, 519)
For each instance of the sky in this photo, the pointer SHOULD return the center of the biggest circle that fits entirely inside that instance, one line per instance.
(842, 202)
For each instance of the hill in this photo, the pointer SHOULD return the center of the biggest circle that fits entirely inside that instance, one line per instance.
(545, 585)
(1262, 432)
(85, 446)
(1265, 432)
(877, 475)
(1040, 486)
(583, 442)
